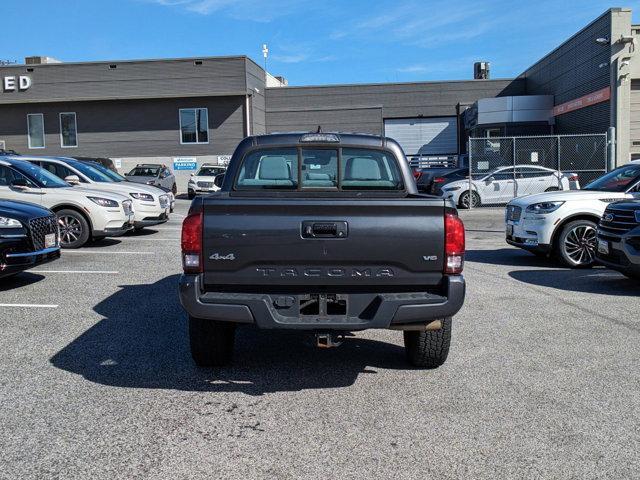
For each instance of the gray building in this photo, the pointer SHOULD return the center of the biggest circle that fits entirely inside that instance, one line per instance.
(200, 108)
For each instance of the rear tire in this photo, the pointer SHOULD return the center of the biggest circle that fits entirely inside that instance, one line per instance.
(211, 342)
(465, 200)
(552, 189)
(74, 229)
(428, 349)
(576, 245)
(174, 189)
(191, 194)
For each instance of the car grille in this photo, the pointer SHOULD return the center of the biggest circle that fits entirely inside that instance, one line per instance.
(164, 201)
(40, 227)
(618, 222)
(514, 213)
(205, 184)
(127, 206)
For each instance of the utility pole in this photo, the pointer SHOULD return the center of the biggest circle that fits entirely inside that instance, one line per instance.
(265, 54)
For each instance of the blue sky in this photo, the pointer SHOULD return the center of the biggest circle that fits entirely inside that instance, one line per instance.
(310, 42)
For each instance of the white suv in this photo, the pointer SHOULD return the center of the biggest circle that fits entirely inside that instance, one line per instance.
(501, 185)
(151, 205)
(565, 223)
(82, 213)
(204, 180)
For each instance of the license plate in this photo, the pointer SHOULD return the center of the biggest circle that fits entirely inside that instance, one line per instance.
(603, 247)
(50, 240)
(510, 230)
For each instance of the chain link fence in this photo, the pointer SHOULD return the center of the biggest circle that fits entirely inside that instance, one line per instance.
(502, 168)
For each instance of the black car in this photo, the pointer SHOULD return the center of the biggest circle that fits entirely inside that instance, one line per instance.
(28, 236)
(105, 162)
(619, 238)
(431, 180)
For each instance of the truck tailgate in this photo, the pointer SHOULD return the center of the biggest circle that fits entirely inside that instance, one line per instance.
(332, 242)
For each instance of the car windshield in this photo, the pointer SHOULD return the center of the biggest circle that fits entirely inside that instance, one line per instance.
(618, 180)
(91, 172)
(41, 177)
(114, 176)
(210, 171)
(145, 172)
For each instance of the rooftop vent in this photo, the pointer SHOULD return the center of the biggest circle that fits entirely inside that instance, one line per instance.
(481, 70)
(38, 60)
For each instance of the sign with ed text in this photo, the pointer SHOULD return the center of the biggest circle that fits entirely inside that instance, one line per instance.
(185, 163)
(587, 100)
(11, 83)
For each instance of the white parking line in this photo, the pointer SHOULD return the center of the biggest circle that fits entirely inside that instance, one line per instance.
(96, 272)
(111, 252)
(27, 305)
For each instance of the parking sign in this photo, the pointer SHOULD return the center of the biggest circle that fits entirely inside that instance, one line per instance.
(185, 163)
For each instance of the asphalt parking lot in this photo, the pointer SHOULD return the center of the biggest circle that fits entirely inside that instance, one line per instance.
(97, 380)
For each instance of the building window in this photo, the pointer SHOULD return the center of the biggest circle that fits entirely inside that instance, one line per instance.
(35, 130)
(68, 130)
(194, 125)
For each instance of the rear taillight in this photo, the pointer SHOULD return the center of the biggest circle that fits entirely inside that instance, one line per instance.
(453, 244)
(417, 174)
(439, 180)
(573, 178)
(192, 243)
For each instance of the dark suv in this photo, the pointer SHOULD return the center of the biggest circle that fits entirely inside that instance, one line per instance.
(619, 238)
(28, 237)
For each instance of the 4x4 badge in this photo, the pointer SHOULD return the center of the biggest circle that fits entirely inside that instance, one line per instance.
(217, 256)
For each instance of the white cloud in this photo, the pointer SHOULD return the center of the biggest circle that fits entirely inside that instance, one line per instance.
(413, 69)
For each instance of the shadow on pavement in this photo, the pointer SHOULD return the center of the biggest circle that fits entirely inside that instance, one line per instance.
(103, 242)
(598, 280)
(142, 343)
(22, 279)
(509, 257)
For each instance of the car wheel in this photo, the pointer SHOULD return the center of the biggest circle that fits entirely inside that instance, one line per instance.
(211, 342)
(552, 189)
(74, 229)
(428, 349)
(577, 244)
(469, 201)
(174, 189)
(191, 194)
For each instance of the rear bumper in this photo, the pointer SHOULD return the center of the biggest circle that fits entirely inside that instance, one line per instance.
(380, 310)
(622, 256)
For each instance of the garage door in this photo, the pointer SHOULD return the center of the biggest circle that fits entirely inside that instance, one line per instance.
(424, 136)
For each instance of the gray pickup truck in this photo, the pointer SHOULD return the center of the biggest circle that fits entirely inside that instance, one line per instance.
(323, 232)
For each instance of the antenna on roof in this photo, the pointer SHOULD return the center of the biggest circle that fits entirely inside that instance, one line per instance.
(319, 129)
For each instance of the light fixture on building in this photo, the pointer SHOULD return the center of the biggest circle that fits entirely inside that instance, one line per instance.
(603, 65)
(602, 41)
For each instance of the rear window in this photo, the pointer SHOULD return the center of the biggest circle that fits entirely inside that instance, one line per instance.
(309, 168)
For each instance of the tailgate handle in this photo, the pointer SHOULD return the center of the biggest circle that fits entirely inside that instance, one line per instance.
(318, 229)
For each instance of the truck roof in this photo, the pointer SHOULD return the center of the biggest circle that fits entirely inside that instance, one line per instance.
(341, 138)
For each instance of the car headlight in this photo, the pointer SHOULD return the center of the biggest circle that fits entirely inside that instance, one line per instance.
(6, 222)
(142, 196)
(544, 207)
(103, 202)
(451, 189)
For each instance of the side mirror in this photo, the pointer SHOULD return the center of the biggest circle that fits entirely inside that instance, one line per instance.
(72, 179)
(491, 179)
(19, 184)
(193, 174)
(219, 180)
